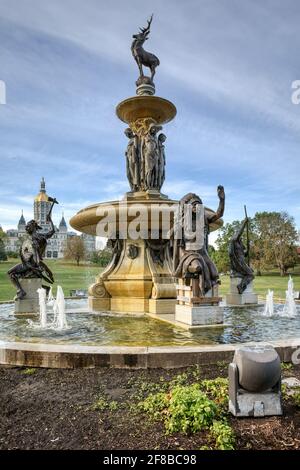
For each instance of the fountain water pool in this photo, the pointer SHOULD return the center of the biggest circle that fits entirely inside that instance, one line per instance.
(107, 329)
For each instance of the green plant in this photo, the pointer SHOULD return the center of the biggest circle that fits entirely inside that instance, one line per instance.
(192, 408)
(284, 390)
(217, 390)
(286, 366)
(296, 399)
(223, 435)
(29, 371)
(154, 405)
(101, 404)
(180, 379)
(221, 363)
(189, 410)
(113, 405)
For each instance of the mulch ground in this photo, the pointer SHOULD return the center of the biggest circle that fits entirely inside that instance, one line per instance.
(53, 409)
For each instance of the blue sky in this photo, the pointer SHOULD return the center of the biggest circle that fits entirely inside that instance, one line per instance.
(227, 65)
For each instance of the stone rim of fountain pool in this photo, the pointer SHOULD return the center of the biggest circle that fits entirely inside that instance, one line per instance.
(138, 357)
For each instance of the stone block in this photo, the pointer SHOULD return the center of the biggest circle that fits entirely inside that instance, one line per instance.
(30, 303)
(99, 304)
(129, 304)
(162, 306)
(204, 315)
(247, 297)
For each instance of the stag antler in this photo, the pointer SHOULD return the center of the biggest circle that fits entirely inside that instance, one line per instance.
(146, 30)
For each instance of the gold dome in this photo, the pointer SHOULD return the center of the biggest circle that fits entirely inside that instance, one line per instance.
(41, 197)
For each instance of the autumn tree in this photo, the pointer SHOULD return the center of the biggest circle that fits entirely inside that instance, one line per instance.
(75, 249)
(272, 237)
(275, 240)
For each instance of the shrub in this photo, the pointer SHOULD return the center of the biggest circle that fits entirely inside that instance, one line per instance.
(223, 435)
(192, 408)
(189, 410)
(296, 398)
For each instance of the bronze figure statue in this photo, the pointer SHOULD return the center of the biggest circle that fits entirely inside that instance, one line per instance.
(161, 171)
(190, 248)
(238, 255)
(151, 157)
(133, 160)
(32, 253)
(141, 56)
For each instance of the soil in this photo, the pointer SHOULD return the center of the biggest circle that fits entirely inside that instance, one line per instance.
(53, 409)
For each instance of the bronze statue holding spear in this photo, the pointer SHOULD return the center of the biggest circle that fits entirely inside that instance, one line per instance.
(239, 256)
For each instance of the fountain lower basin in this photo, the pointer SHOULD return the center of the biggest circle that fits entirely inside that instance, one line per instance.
(108, 339)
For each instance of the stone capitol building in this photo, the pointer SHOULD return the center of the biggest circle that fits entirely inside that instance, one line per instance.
(56, 245)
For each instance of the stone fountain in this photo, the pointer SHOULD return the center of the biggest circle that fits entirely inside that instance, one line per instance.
(140, 275)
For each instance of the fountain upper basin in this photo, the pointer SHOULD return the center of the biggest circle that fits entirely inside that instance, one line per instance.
(152, 207)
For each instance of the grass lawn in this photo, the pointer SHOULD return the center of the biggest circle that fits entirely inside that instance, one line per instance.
(271, 280)
(66, 274)
(70, 276)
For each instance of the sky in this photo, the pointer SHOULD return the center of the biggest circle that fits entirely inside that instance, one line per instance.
(227, 65)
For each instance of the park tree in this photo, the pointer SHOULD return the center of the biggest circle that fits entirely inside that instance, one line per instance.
(220, 256)
(75, 249)
(275, 242)
(101, 257)
(272, 237)
(3, 255)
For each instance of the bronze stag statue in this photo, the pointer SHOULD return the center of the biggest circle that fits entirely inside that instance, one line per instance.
(141, 56)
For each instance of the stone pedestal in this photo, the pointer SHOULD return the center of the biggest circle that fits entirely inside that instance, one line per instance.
(30, 303)
(162, 306)
(204, 315)
(235, 298)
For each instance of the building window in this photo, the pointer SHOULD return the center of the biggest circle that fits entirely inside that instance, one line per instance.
(55, 254)
(49, 254)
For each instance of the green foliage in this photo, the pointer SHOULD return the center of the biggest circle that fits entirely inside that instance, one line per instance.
(286, 366)
(189, 410)
(3, 255)
(154, 405)
(273, 238)
(276, 236)
(29, 371)
(296, 399)
(102, 404)
(221, 256)
(12, 254)
(223, 435)
(217, 390)
(284, 391)
(193, 407)
(101, 257)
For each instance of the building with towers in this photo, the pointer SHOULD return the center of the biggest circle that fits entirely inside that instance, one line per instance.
(56, 244)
